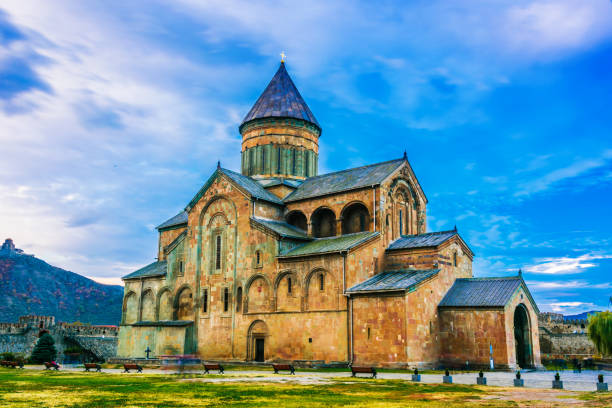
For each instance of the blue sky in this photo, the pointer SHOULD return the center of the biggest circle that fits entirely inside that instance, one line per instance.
(113, 114)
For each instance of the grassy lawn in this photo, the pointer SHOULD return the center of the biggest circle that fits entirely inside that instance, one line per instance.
(29, 388)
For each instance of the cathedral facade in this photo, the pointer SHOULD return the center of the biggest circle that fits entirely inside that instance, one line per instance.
(279, 263)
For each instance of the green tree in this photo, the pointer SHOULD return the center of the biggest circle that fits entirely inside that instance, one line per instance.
(600, 332)
(44, 349)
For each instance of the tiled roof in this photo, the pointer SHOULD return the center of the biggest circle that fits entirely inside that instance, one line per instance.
(251, 186)
(154, 269)
(344, 180)
(178, 219)
(393, 281)
(282, 228)
(281, 99)
(331, 244)
(481, 292)
(430, 239)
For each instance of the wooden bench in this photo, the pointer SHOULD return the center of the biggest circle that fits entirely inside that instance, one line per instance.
(363, 370)
(51, 365)
(283, 367)
(128, 367)
(93, 366)
(208, 367)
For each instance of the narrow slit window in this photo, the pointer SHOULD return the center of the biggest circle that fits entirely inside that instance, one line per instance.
(289, 285)
(368, 333)
(321, 282)
(205, 301)
(455, 259)
(258, 258)
(225, 299)
(218, 253)
(239, 300)
(401, 223)
(181, 268)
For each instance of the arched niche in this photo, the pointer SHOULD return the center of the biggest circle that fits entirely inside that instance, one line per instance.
(147, 305)
(164, 305)
(130, 308)
(184, 304)
(287, 292)
(323, 222)
(321, 290)
(355, 218)
(258, 295)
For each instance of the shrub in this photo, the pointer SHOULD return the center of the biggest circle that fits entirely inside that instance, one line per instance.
(8, 356)
(44, 349)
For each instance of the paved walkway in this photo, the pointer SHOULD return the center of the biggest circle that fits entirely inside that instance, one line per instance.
(584, 381)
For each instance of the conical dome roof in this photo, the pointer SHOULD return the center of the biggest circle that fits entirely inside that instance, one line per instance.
(281, 99)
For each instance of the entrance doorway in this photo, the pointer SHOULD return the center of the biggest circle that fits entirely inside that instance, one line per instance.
(259, 350)
(522, 337)
(256, 338)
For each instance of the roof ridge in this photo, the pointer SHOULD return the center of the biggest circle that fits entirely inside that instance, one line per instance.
(352, 168)
(491, 278)
(428, 233)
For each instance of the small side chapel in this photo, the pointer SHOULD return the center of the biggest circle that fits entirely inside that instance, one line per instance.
(280, 263)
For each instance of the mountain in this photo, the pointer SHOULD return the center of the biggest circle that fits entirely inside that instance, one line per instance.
(29, 285)
(580, 316)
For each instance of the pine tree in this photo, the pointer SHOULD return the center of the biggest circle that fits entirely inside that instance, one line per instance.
(44, 350)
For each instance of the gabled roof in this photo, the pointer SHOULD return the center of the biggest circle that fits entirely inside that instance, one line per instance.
(393, 281)
(246, 183)
(331, 244)
(483, 292)
(178, 219)
(345, 180)
(282, 228)
(281, 99)
(427, 240)
(158, 268)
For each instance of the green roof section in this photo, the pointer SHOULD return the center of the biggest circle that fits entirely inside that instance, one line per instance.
(331, 244)
(345, 180)
(158, 268)
(282, 228)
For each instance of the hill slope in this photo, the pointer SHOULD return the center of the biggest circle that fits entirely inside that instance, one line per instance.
(29, 285)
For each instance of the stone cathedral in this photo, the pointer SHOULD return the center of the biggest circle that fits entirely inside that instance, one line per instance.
(280, 263)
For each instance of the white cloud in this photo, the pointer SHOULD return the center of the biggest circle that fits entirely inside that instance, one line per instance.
(562, 285)
(565, 265)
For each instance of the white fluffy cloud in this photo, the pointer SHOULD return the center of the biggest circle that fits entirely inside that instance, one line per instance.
(566, 265)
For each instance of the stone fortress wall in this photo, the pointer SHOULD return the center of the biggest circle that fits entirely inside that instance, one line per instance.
(99, 341)
(562, 338)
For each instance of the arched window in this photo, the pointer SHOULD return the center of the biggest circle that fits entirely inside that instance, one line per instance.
(239, 300)
(218, 252)
(225, 299)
